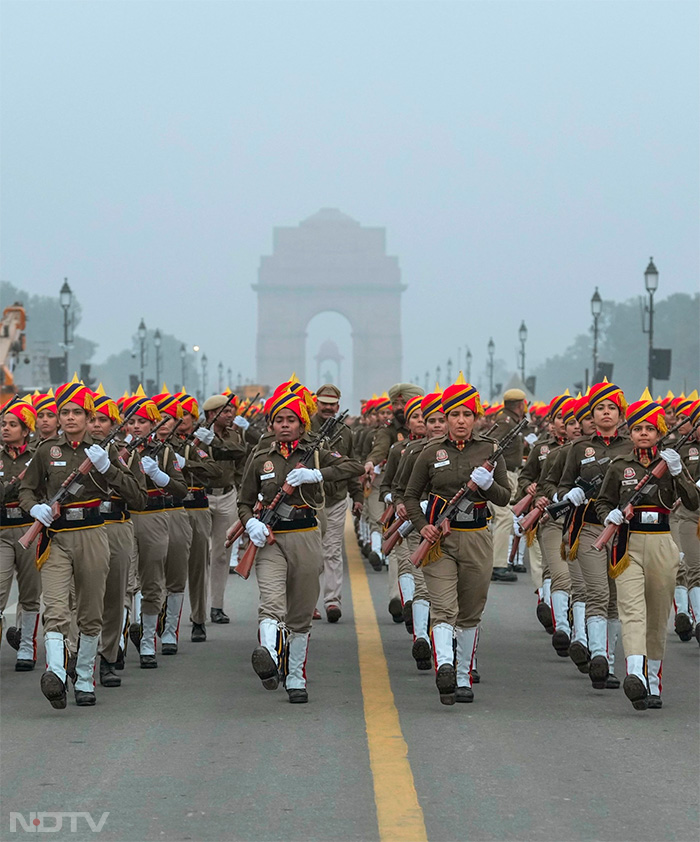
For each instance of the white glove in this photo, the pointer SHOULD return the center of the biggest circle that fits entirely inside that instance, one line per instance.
(517, 530)
(204, 435)
(615, 517)
(424, 506)
(387, 497)
(127, 438)
(576, 496)
(257, 531)
(241, 422)
(555, 499)
(482, 477)
(673, 460)
(42, 513)
(301, 476)
(99, 457)
(697, 484)
(531, 438)
(181, 461)
(377, 469)
(150, 467)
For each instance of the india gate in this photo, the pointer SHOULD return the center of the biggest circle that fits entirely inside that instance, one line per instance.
(330, 263)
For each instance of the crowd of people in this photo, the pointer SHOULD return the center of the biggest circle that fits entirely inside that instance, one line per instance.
(112, 509)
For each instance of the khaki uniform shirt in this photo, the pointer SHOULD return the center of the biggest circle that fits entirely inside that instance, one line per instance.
(513, 454)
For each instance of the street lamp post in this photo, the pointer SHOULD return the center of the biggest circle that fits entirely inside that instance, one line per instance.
(183, 357)
(221, 377)
(157, 340)
(204, 376)
(66, 298)
(522, 336)
(449, 371)
(437, 374)
(229, 377)
(142, 346)
(596, 310)
(651, 282)
(468, 366)
(491, 348)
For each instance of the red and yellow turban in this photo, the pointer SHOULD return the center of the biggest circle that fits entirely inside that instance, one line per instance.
(412, 404)
(189, 404)
(105, 405)
(461, 393)
(296, 388)
(557, 403)
(686, 404)
(568, 410)
(288, 400)
(606, 392)
(432, 403)
(582, 408)
(142, 408)
(168, 405)
(45, 402)
(647, 409)
(75, 392)
(382, 402)
(23, 411)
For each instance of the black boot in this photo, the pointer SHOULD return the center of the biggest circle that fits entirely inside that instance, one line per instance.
(396, 610)
(544, 615)
(446, 681)
(265, 668)
(682, 626)
(580, 655)
(599, 672)
(636, 692)
(408, 615)
(108, 677)
(54, 689)
(422, 653)
(560, 642)
(503, 574)
(13, 636)
(217, 616)
(199, 633)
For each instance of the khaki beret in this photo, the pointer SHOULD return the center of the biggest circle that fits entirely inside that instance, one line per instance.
(515, 395)
(214, 402)
(328, 393)
(404, 390)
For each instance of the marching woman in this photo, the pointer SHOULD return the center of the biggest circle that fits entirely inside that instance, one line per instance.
(288, 569)
(18, 423)
(583, 460)
(457, 571)
(644, 558)
(46, 415)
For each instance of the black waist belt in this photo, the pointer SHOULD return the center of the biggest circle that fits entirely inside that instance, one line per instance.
(170, 502)
(14, 516)
(295, 524)
(590, 516)
(477, 519)
(114, 511)
(218, 492)
(196, 499)
(649, 522)
(78, 517)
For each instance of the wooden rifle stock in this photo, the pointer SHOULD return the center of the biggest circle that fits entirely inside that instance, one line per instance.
(238, 530)
(523, 505)
(515, 546)
(245, 565)
(387, 515)
(530, 520)
(390, 541)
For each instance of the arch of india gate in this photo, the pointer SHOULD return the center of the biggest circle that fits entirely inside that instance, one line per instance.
(330, 263)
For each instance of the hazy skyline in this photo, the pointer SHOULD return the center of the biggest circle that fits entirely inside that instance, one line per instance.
(518, 155)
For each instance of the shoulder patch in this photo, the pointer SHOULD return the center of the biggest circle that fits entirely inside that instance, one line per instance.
(590, 451)
(441, 455)
(630, 473)
(268, 466)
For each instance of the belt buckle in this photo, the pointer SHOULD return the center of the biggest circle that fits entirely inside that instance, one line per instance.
(649, 517)
(13, 514)
(105, 506)
(189, 496)
(76, 513)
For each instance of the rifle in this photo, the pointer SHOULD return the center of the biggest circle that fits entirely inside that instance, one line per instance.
(190, 438)
(589, 487)
(515, 546)
(137, 441)
(326, 433)
(388, 514)
(250, 406)
(642, 488)
(390, 536)
(530, 519)
(156, 445)
(70, 487)
(459, 504)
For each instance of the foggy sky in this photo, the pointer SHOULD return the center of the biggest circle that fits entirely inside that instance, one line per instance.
(518, 154)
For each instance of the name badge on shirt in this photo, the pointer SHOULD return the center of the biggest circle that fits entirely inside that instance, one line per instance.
(58, 464)
(441, 464)
(586, 461)
(267, 476)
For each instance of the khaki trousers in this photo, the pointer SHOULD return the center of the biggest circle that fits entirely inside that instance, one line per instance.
(549, 535)
(578, 586)
(684, 528)
(534, 557)
(79, 557)
(224, 513)
(332, 546)
(198, 566)
(601, 600)
(15, 559)
(178, 554)
(458, 583)
(374, 509)
(151, 532)
(120, 537)
(502, 525)
(288, 578)
(645, 593)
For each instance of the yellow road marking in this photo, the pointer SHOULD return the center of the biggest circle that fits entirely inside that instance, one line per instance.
(399, 815)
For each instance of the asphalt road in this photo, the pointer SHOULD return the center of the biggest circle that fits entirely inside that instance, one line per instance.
(197, 750)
